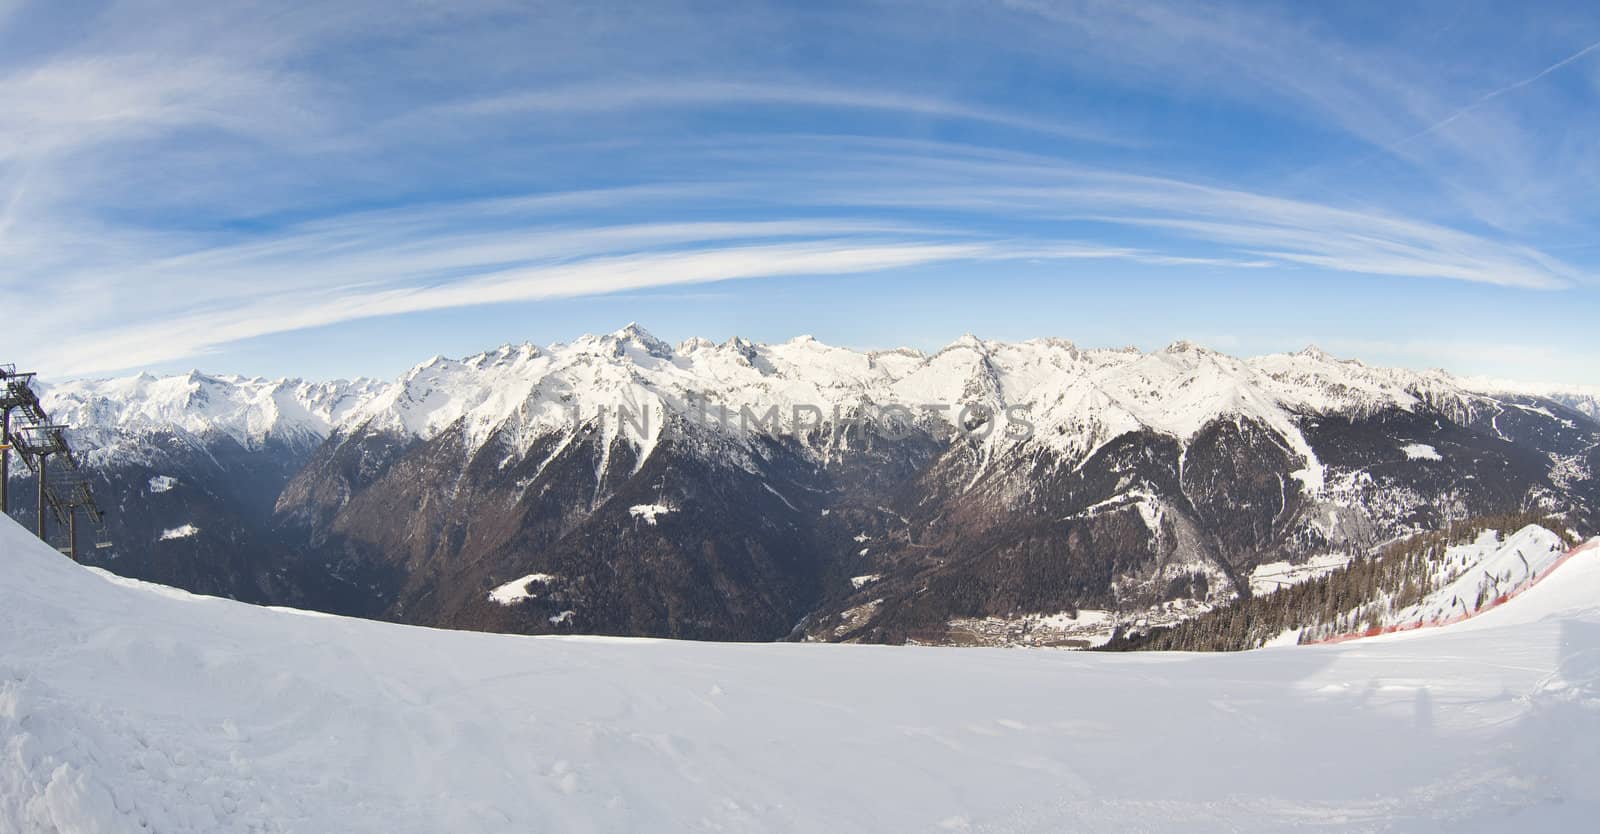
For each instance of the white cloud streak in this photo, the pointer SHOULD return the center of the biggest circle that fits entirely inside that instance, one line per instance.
(412, 260)
(681, 94)
(1265, 226)
(149, 342)
(220, 110)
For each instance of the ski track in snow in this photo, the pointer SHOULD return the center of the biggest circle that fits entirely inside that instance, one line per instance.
(128, 707)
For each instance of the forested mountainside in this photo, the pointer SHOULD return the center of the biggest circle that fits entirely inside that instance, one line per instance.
(997, 493)
(1425, 579)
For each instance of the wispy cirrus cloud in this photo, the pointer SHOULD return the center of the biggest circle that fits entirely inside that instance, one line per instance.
(175, 177)
(162, 307)
(150, 341)
(81, 102)
(1464, 108)
(519, 249)
(636, 96)
(1364, 241)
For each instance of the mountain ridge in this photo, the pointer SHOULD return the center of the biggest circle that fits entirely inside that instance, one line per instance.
(258, 407)
(737, 490)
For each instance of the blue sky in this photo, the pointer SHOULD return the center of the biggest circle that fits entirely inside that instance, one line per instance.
(346, 188)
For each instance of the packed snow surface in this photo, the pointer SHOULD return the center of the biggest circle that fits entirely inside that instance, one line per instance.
(126, 707)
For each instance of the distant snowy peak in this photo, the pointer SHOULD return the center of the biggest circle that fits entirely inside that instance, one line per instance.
(111, 417)
(1584, 399)
(1075, 399)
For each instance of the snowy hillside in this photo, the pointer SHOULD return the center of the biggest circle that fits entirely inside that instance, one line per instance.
(1472, 577)
(132, 707)
(1462, 582)
(1432, 579)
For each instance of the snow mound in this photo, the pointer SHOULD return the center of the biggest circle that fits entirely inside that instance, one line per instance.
(125, 709)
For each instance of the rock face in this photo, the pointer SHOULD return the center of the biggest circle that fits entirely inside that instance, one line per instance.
(744, 491)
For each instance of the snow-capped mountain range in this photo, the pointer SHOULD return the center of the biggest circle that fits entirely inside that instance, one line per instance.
(1075, 399)
(113, 417)
(1584, 398)
(738, 489)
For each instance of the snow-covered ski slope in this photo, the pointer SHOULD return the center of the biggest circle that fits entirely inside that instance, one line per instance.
(126, 707)
(1469, 581)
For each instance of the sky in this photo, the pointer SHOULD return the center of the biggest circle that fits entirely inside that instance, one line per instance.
(342, 188)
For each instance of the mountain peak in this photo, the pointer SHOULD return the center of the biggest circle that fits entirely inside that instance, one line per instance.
(617, 342)
(637, 335)
(1184, 347)
(1086, 399)
(966, 340)
(740, 345)
(435, 361)
(1313, 352)
(633, 331)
